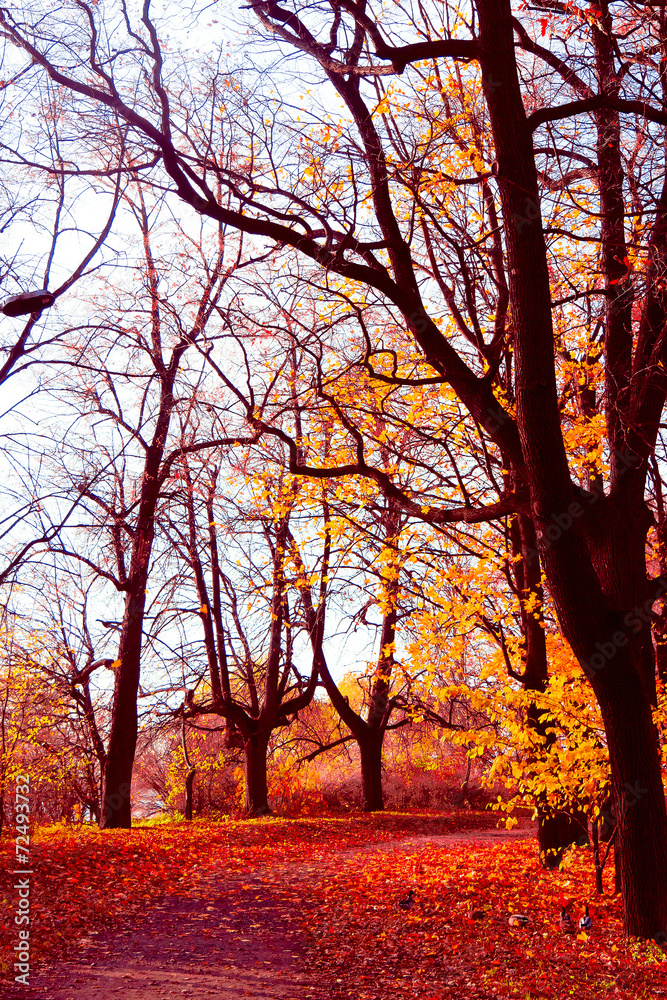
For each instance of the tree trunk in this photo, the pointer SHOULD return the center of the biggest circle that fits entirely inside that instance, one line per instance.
(591, 546)
(189, 782)
(554, 832)
(256, 783)
(639, 808)
(370, 748)
(116, 810)
(557, 831)
(621, 667)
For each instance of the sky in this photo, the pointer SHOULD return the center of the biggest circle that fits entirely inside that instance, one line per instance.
(217, 28)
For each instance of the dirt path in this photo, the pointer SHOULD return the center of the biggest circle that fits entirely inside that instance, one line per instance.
(226, 939)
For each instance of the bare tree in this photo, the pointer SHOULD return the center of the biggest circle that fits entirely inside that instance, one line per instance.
(130, 376)
(251, 680)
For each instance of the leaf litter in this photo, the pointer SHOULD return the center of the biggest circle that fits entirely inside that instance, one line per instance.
(336, 882)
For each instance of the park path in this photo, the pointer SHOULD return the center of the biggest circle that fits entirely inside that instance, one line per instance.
(229, 939)
(224, 939)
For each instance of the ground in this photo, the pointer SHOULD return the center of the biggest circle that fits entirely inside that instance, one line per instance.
(307, 910)
(223, 941)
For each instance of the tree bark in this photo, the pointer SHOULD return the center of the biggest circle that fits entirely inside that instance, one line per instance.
(189, 784)
(370, 748)
(557, 831)
(256, 781)
(639, 807)
(594, 557)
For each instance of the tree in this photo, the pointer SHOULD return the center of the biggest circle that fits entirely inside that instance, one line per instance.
(369, 733)
(121, 482)
(45, 723)
(258, 688)
(590, 541)
(35, 343)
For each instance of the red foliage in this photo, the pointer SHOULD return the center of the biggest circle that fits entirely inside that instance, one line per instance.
(343, 877)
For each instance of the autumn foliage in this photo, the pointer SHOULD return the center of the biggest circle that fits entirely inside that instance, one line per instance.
(342, 879)
(371, 404)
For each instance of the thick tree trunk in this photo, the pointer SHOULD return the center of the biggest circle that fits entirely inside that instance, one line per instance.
(256, 781)
(622, 672)
(189, 783)
(556, 832)
(639, 808)
(370, 748)
(615, 650)
(117, 779)
(116, 813)
(591, 546)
